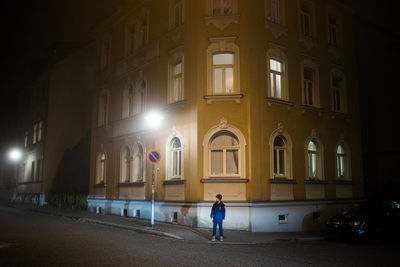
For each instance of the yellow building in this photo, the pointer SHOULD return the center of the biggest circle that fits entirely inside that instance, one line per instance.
(259, 100)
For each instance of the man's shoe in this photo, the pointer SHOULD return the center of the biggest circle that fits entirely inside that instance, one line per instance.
(213, 238)
(221, 238)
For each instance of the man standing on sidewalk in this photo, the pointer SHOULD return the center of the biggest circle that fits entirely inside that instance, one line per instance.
(218, 215)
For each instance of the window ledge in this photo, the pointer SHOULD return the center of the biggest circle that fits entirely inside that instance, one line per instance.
(224, 180)
(233, 97)
(308, 108)
(33, 182)
(222, 21)
(99, 185)
(177, 104)
(174, 182)
(279, 102)
(344, 182)
(276, 28)
(309, 41)
(315, 181)
(282, 181)
(132, 184)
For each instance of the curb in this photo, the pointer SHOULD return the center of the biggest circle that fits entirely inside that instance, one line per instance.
(126, 227)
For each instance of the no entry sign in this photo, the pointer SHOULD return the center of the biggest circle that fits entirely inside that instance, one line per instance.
(153, 156)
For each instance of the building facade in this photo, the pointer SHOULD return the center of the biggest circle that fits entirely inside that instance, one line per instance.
(260, 104)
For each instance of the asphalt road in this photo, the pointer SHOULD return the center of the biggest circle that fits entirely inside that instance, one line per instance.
(32, 239)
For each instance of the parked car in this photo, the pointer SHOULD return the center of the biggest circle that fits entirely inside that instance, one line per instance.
(366, 221)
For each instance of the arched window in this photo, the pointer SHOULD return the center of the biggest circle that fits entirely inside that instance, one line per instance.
(176, 158)
(125, 165)
(101, 168)
(138, 163)
(224, 154)
(340, 162)
(312, 160)
(279, 156)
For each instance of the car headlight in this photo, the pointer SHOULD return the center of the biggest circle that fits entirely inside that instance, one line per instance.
(357, 223)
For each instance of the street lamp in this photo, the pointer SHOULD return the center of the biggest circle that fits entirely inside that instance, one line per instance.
(153, 120)
(15, 155)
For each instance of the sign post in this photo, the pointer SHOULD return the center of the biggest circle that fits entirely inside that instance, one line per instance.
(153, 157)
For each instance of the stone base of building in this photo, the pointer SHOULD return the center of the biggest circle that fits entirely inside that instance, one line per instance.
(288, 216)
(29, 198)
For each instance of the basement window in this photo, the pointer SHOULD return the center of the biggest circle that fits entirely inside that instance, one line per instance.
(137, 213)
(283, 218)
(174, 217)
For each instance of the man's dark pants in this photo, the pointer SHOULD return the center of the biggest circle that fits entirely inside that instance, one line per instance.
(221, 231)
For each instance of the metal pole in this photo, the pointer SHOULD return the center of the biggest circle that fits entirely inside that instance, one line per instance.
(152, 196)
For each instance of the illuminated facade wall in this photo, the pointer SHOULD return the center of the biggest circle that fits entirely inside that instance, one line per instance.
(260, 105)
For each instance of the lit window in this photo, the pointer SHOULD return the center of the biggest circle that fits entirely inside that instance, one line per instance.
(222, 7)
(274, 11)
(312, 160)
(275, 75)
(223, 72)
(279, 156)
(340, 162)
(176, 158)
(224, 154)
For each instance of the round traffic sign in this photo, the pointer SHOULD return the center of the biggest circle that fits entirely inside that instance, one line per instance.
(153, 156)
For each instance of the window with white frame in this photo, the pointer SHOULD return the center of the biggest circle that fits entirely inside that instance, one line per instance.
(130, 37)
(26, 139)
(40, 131)
(274, 11)
(224, 154)
(223, 71)
(105, 52)
(131, 97)
(139, 95)
(312, 155)
(175, 150)
(103, 109)
(279, 159)
(223, 66)
(34, 136)
(101, 168)
(176, 15)
(277, 74)
(280, 154)
(176, 77)
(334, 22)
(338, 91)
(138, 162)
(306, 18)
(143, 31)
(310, 83)
(126, 160)
(341, 162)
(222, 7)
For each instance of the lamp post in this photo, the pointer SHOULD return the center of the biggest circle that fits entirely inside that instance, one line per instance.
(153, 120)
(15, 155)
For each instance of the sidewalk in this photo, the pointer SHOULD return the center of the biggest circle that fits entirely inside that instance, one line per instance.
(180, 232)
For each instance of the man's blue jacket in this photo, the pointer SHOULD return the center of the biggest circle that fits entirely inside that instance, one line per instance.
(218, 212)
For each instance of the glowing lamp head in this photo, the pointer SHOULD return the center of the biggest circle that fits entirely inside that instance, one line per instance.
(15, 155)
(153, 119)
